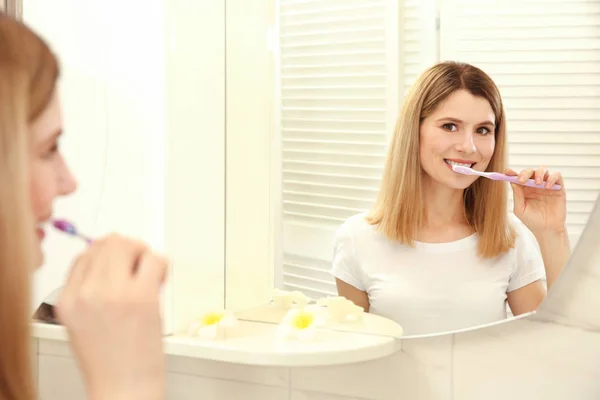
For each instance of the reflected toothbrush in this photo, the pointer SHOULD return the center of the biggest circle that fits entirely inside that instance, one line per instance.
(496, 176)
(69, 228)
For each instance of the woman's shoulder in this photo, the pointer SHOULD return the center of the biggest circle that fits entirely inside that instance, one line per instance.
(528, 261)
(354, 225)
(515, 222)
(525, 238)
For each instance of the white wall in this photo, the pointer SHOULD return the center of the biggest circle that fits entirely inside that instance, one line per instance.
(195, 147)
(250, 138)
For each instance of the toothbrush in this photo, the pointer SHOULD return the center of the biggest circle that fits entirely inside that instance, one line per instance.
(69, 228)
(496, 176)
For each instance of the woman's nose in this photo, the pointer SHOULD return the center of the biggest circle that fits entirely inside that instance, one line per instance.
(467, 144)
(67, 183)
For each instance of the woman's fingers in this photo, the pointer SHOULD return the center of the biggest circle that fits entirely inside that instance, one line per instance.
(102, 271)
(525, 174)
(117, 260)
(540, 175)
(152, 270)
(76, 286)
(555, 178)
(72, 286)
(510, 172)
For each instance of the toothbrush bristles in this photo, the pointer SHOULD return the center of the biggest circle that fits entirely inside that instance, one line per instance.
(65, 226)
(69, 228)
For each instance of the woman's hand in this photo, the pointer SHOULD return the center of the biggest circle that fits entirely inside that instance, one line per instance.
(541, 210)
(111, 309)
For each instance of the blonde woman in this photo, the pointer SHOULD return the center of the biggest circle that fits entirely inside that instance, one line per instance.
(110, 304)
(439, 250)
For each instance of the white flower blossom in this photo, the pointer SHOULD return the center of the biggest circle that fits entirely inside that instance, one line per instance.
(211, 324)
(285, 299)
(301, 323)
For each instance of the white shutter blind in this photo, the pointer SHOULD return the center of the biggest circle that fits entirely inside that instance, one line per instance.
(418, 46)
(339, 95)
(545, 57)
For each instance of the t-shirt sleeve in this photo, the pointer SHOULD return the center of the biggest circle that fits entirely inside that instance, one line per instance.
(529, 266)
(345, 265)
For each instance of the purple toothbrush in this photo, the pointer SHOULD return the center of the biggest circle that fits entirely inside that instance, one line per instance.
(496, 176)
(69, 228)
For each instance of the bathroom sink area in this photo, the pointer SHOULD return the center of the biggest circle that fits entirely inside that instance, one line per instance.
(257, 343)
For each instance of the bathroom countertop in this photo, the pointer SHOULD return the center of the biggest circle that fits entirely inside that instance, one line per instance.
(255, 343)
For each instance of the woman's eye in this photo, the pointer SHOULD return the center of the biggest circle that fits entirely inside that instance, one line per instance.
(450, 127)
(483, 130)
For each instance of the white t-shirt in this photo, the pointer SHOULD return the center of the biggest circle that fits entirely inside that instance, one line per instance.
(433, 287)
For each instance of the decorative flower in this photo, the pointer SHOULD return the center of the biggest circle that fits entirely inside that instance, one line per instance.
(211, 324)
(285, 299)
(301, 323)
(341, 309)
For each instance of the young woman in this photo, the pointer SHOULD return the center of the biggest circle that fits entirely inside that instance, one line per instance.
(439, 250)
(110, 304)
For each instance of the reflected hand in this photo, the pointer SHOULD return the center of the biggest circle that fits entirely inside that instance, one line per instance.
(110, 307)
(540, 210)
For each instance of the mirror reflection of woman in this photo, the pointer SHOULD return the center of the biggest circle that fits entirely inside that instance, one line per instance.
(110, 303)
(439, 250)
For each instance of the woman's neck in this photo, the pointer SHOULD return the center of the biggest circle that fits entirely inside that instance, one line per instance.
(445, 220)
(444, 206)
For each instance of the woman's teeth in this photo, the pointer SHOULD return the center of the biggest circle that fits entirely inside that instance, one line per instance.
(451, 163)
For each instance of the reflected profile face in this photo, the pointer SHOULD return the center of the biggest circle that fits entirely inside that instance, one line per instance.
(461, 131)
(50, 176)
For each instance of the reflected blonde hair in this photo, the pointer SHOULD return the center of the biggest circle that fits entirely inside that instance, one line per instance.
(399, 209)
(28, 74)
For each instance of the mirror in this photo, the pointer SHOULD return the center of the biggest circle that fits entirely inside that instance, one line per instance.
(293, 112)
(342, 73)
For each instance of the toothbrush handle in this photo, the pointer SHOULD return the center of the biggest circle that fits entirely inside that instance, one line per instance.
(531, 183)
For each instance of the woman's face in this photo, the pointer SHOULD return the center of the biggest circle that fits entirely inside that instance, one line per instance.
(50, 176)
(460, 131)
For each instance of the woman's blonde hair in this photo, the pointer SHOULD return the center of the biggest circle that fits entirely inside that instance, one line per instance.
(28, 75)
(399, 209)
